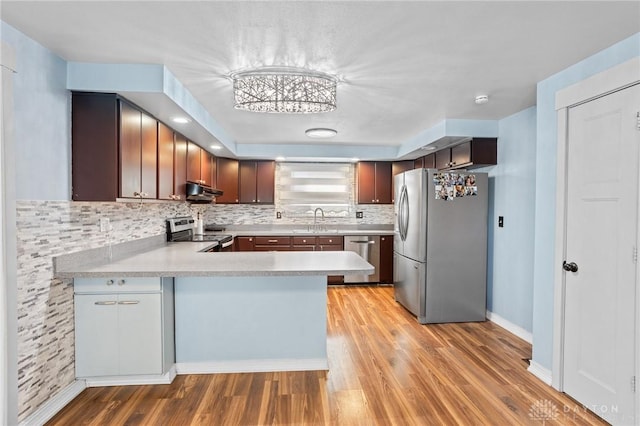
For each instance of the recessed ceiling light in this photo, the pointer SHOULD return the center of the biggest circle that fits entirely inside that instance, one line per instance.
(280, 158)
(215, 147)
(321, 133)
(428, 148)
(482, 99)
(355, 159)
(180, 120)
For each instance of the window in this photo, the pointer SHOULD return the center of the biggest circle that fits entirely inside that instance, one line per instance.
(302, 187)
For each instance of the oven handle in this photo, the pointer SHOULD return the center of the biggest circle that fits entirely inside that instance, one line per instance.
(227, 244)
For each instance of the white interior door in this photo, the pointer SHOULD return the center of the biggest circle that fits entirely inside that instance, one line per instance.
(602, 222)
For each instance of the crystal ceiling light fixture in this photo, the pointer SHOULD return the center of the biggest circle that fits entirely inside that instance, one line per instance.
(284, 90)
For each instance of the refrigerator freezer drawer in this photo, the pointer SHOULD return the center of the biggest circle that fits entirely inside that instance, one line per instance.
(409, 285)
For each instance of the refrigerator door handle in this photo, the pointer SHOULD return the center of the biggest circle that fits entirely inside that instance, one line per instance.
(404, 209)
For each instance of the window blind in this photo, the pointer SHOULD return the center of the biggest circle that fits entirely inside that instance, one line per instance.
(302, 187)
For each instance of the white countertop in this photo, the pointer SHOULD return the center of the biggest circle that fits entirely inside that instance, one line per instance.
(185, 260)
(303, 232)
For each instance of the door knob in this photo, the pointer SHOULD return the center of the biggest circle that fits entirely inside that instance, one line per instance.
(569, 267)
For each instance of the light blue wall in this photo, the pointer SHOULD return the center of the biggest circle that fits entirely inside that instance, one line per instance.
(41, 120)
(512, 195)
(546, 186)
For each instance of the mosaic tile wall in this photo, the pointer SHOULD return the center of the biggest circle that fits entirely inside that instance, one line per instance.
(46, 229)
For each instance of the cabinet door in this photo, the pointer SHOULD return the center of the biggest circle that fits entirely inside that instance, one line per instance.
(418, 163)
(205, 167)
(94, 147)
(130, 150)
(429, 161)
(193, 162)
(386, 259)
(366, 173)
(247, 179)
(140, 333)
(96, 316)
(383, 182)
(149, 156)
(180, 166)
(461, 154)
(165, 162)
(398, 167)
(227, 176)
(443, 158)
(266, 171)
(243, 244)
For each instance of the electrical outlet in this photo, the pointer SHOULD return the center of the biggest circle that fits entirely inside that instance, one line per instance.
(278, 215)
(359, 215)
(500, 221)
(105, 224)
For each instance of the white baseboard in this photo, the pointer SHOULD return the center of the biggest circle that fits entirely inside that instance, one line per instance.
(53, 405)
(540, 372)
(163, 379)
(252, 366)
(510, 327)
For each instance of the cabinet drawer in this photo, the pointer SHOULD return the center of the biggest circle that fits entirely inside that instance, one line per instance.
(328, 241)
(273, 241)
(116, 285)
(304, 241)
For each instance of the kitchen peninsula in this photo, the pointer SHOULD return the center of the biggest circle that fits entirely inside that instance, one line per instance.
(235, 311)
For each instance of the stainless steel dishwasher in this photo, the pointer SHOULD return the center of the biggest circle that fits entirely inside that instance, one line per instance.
(368, 248)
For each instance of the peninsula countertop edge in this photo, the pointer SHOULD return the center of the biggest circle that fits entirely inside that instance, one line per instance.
(185, 260)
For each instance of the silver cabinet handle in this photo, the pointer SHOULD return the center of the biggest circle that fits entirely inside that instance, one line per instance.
(272, 241)
(106, 303)
(128, 302)
(109, 282)
(121, 282)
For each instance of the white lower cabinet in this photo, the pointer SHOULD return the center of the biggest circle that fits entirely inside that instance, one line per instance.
(124, 331)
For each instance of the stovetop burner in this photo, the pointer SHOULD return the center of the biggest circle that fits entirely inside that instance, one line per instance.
(181, 229)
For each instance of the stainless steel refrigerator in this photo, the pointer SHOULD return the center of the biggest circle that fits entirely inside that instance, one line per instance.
(440, 244)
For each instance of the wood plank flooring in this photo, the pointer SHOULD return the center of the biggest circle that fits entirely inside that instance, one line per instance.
(385, 369)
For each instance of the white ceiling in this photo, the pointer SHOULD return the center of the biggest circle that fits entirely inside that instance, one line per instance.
(404, 66)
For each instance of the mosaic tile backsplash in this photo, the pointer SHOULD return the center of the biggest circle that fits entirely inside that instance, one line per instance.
(46, 229)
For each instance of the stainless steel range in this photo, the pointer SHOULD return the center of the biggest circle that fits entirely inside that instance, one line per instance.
(180, 229)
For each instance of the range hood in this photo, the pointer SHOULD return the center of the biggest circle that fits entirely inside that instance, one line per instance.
(199, 193)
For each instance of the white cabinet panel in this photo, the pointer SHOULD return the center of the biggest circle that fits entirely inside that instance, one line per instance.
(96, 336)
(140, 332)
(127, 333)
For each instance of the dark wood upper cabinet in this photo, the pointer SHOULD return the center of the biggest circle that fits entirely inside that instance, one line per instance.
(199, 165)
(94, 147)
(166, 157)
(374, 182)
(398, 167)
(193, 162)
(257, 181)
(227, 170)
(180, 166)
(429, 161)
(478, 152)
(443, 158)
(138, 153)
(205, 167)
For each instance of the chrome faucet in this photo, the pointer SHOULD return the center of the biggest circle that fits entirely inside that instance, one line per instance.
(315, 218)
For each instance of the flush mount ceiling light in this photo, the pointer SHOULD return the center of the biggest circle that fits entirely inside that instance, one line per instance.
(180, 120)
(321, 133)
(288, 90)
(482, 99)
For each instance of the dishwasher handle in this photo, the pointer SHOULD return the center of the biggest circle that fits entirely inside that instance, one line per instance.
(363, 242)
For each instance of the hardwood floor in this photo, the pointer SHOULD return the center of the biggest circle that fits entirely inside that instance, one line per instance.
(385, 369)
